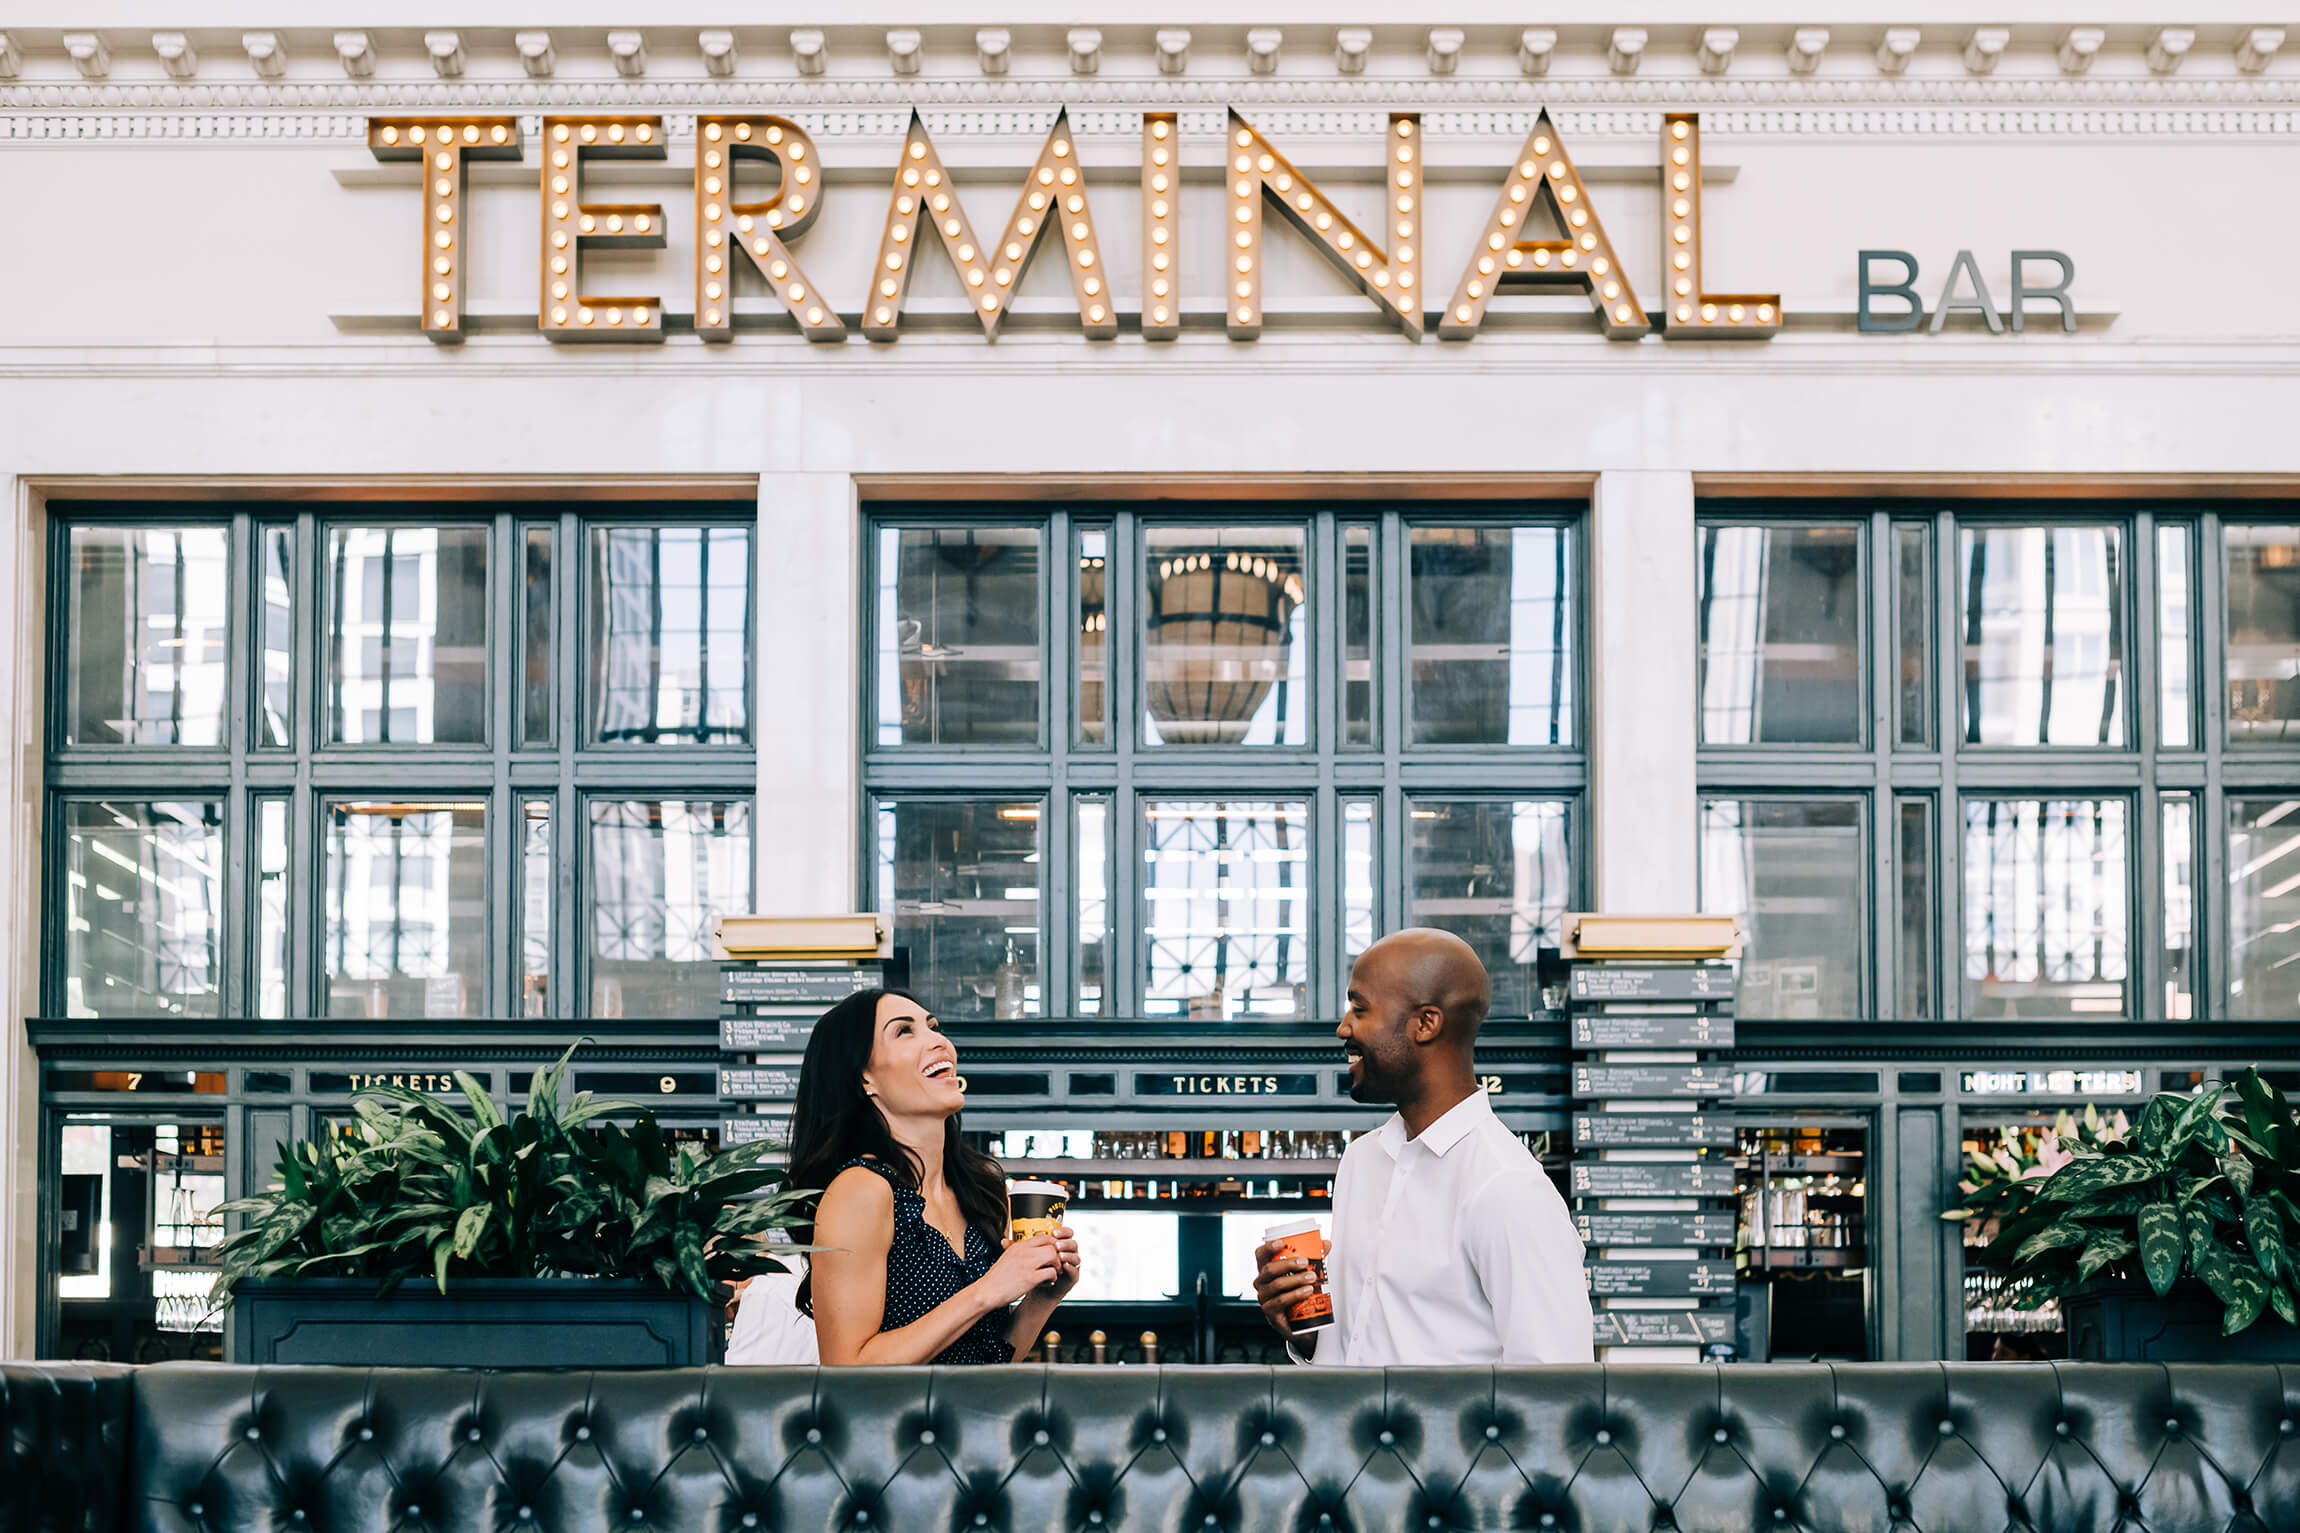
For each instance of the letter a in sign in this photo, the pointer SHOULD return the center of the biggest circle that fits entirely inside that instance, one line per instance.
(1544, 177)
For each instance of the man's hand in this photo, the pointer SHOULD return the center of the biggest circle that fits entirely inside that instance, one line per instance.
(1280, 1284)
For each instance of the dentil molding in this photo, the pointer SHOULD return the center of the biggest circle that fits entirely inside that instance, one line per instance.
(1885, 107)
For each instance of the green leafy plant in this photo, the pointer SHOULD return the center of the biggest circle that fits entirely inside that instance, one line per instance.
(2003, 1182)
(2204, 1187)
(418, 1187)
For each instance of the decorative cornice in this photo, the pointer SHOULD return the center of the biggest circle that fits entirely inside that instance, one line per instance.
(2276, 114)
(1681, 91)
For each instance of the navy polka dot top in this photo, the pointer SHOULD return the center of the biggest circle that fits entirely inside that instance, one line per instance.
(923, 1272)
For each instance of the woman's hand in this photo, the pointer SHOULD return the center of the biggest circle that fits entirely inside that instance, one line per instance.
(1023, 1268)
(1066, 1247)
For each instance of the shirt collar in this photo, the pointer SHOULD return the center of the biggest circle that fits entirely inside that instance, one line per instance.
(1440, 1137)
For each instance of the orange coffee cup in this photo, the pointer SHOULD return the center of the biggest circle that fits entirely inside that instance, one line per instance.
(1299, 1238)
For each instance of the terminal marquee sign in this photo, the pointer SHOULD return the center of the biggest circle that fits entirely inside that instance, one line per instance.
(1544, 231)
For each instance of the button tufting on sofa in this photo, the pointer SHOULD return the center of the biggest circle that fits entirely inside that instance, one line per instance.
(2054, 1448)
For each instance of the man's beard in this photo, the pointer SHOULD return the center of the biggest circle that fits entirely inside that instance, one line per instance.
(1372, 1084)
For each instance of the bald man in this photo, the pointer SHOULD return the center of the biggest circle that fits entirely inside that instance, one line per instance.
(1450, 1245)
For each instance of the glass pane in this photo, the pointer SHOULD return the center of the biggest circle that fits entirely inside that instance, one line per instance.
(2263, 633)
(962, 879)
(406, 635)
(1359, 890)
(406, 909)
(1094, 830)
(1495, 627)
(2043, 625)
(959, 657)
(2264, 907)
(662, 873)
(2047, 924)
(1224, 636)
(1792, 871)
(134, 1248)
(535, 889)
(275, 575)
(271, 907)
(1093, 637)
(1779, 646)
(1498, 874)
(144, 652)
(1225, 908)
(1358, 636)
(536, 713)
(670, 635)
(2180, 903)
(143, 908)
(1913, 634)
(2175, 640)
(1914, 961)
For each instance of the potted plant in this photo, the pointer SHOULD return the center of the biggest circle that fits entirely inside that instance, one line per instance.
(432, 1234)
(1999, 1183)
(2160, 1244)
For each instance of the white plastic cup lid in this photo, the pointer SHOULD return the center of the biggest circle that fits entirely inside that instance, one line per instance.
(1290, 1227)
(1044, 1189)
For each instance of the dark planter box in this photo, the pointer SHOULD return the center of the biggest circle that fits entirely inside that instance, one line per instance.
(477, 1323)
(2128, 1323)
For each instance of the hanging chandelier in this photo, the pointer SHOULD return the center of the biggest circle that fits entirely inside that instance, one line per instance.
(1220, 625)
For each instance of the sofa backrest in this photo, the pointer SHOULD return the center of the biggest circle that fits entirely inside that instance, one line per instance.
(66, 1427)
(1953, 1447)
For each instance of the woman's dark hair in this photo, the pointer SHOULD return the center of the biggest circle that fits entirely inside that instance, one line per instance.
(835, 1121)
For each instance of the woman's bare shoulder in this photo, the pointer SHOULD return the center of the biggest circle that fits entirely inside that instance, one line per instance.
(858, 1201)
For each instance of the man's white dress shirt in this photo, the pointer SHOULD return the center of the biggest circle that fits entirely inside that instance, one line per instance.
(1452, 1248)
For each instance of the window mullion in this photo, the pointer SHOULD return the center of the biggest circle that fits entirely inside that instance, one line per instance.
(1057, 820)
(2209, 623)
(1948, 640)
(2145, 928)
(571, 593)
(1880, 675)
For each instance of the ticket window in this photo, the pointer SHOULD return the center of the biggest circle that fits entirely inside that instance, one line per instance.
(135, 1239)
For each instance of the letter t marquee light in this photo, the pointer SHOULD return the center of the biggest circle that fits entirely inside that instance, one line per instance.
(570, 225)
(444, 145)
(1544, 176)
(1692, 313)
(1255, 168)
(1053, 197)
(756, 229)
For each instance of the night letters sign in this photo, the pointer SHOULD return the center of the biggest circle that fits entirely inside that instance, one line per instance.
(1544, 231)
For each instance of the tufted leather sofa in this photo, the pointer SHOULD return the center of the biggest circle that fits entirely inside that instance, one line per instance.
(1955, 1448)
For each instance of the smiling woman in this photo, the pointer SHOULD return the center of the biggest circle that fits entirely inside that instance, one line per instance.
(909, 1229)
